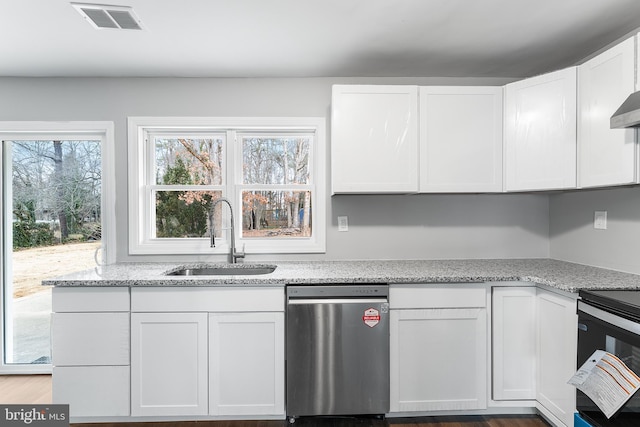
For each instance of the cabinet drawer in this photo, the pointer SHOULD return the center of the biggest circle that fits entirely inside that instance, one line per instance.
(92, 391)
(86, 299)
(452, 295)
(185, 299)
(81, 339)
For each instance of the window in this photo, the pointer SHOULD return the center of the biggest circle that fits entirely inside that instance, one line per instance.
(271, 170)
(58, 218)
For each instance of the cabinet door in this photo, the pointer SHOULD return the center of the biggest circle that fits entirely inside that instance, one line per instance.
(514, 343)
(374, 139)
(84, 339)
(540, 132)
(557, 336)
(92, 391)
(460, 139)
(606, 156)
(438, 359)
(169, 364)
(246, 365)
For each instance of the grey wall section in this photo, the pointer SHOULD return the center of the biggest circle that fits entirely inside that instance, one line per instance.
(572, 235)
(441, 226)
(385, 227)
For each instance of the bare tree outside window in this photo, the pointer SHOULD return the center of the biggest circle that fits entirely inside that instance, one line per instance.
(56, 183)
(189, 175)
(280, 163)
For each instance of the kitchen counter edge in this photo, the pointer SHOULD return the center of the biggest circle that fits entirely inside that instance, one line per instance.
(561, 275)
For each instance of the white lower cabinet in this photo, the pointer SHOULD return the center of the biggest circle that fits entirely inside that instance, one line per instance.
(169, 364)
(513, 326)
(438, 347)
(92, 391)
(534, 347)
(90, 350)
(207, 352)
(246, 363)
(557, 340)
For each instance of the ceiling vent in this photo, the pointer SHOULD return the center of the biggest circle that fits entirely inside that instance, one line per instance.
(103, 16)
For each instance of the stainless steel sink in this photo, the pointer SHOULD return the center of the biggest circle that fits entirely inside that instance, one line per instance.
(223, 270)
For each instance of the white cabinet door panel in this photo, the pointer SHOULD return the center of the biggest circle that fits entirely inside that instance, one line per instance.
(374, 139)
(438, 359)
(90, 339)
(514, 343)
(420, 295)
(209, 299)
(557, 336)
(89, 299)
(606, 156)
(460, 139)
(540, 132)
(169, 364)
(92, 391)
(246, 365)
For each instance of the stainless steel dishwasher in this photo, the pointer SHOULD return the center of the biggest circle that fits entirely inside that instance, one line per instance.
(337, 350)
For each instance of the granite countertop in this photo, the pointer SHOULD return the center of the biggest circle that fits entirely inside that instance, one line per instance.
(560, 275)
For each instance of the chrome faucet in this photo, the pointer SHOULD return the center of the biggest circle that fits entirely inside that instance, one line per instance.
(233, 254)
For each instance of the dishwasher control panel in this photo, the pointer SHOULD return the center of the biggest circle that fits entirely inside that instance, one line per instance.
(339, 291)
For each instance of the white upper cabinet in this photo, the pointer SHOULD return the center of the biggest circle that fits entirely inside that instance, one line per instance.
(460, 139)
(374, 139)
(540, 132)
(606, 156)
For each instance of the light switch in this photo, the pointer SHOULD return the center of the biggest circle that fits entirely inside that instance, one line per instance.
(343, 223)
(600, 220)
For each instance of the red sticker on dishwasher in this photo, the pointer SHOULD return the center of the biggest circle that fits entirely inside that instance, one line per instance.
(371, 317)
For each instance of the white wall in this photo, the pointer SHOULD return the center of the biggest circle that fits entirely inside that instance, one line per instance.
(573, 237)
(386, 227)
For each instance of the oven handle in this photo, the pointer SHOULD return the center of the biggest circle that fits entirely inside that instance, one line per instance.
(605, 316)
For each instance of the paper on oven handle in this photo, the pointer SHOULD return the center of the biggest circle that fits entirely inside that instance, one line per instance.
(607, 381)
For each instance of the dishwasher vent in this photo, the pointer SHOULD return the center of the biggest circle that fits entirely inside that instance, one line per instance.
(107, 16)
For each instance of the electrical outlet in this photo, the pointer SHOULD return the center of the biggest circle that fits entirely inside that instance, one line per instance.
(600, 220)
(343, 223)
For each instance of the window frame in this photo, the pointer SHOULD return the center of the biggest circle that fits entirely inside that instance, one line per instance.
(34, 130)
(141, 241)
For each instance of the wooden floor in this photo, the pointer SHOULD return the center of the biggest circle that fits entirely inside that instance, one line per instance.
(467, 421)
(36, 389)
(31, 389)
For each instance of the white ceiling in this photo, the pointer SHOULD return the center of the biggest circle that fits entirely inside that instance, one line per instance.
(312, 38)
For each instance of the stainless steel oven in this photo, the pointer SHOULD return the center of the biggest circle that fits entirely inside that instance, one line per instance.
(609, 320)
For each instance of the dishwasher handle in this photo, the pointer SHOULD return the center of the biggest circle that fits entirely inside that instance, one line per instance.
(308, 301)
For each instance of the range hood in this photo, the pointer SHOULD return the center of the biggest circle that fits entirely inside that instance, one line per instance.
(628, 115)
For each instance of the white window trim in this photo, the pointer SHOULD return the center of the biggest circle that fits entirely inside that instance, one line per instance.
(140, 241)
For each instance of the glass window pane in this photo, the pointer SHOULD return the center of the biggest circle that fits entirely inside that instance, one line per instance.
(188, 161)
(185, 214)
(55, 229)
(276, 160)
(276, 214)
